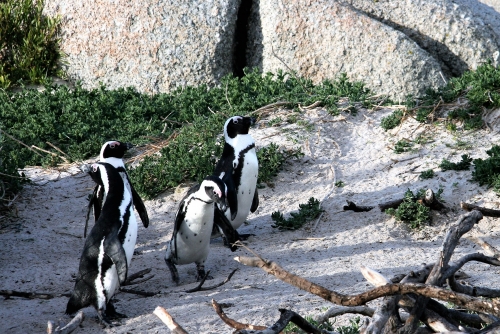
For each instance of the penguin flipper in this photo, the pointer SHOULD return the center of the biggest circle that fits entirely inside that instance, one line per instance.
(97, 203)
(255, 202)
(223, 223)
(140, 207)
(114, 250)
(232, 196)
(92, 204)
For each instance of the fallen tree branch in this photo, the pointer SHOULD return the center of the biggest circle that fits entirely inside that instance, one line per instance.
(137, 292)
(486, 212)
(489, 249)
(356, 208)
(140, 274)
(167, 319)
(200, 288)
(472, 303)
(30, 295)
(335, 311)
(286, 317)
(472, 290)
(69, 328)
(233, 323)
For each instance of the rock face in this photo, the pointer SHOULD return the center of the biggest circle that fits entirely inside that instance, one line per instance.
(397, 47)
(154, 46)
(320, 39)
(450, 31)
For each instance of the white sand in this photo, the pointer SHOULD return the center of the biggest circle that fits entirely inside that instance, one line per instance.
(40, 250)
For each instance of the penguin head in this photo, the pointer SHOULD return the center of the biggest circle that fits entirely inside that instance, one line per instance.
(114, 149)
(215, 189)
(237, 125)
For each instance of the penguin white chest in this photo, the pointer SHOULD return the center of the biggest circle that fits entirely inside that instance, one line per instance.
(129, 225)
(193, 236)
(246, 188)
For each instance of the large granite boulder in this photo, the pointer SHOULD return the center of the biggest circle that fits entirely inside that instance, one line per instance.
(154, 46)
(320, 39)
(451, 31)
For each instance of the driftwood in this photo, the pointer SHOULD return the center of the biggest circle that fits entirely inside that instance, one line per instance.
(138, 292)
(485, 211)
(167, 319)
(29, 295)
(233, 323)
(429, 200)
(356, 208)
(69, 328)
(200, 285)
(131, 280)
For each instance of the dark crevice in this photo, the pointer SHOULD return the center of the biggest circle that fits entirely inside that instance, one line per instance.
(241, 38)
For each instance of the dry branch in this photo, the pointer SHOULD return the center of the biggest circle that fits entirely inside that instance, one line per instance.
(200, 288)
(335, 311)
(233, 323)
(484, 211)
(137, 292)
(69, 328)
(356, 208)
(471, 303)
(429, 200)
(167, 319)
(30, 295)
(131, 280)
(489, 249)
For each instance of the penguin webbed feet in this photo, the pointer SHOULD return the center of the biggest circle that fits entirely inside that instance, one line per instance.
(103, 319)
(201, 274)
(173, 271)
(111, 312)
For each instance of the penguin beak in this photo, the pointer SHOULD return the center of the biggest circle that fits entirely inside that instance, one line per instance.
(222, 203)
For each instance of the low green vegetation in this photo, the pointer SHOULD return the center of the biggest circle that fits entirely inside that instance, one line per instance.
(402, 146)
(306, 213)
(29, 43)
(392, 121)
(271, 159)
(487, 171)
(463, 164)
(353, 328)
(411, 211)
(427, 174)
(190, 120)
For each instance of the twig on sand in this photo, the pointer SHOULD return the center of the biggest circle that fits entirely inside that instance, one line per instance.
(485, 211)
(233, 323)
(140, 274)
(70, 327)
(137, 292)
(201, 288)
(168, 320)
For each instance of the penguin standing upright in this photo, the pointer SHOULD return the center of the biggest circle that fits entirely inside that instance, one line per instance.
(238, 167)
(109, 247)
(193, 226)
(112, 152)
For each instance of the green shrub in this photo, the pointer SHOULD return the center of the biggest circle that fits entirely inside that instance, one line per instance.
(486, 171)
(411, 211)
(29, 42)
(464, 164)
(271, 159)
(391, 121)
(427, 174)
(306, 213)
(402, 146)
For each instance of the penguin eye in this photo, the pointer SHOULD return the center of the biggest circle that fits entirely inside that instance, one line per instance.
(112, 145)
(235, 121)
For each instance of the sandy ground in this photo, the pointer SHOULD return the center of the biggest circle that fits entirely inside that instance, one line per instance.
(40, 249)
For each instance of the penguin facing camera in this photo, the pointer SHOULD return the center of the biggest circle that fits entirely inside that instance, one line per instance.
(238, 167)
(112, 152)
(193, 226)
(108, 248)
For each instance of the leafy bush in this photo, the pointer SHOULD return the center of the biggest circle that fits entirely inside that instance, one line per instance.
(353, 328)
(306, 213)
(29, 44)
(271, 159)
(391, 121)
(486, 171)
(10, 180)
(411, 211)
(464, 164)
(427, 174)
(402, 146)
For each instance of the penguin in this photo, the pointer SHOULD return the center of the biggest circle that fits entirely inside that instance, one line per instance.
(109, 247)
(112, 152)
(238, 168)
(193, 226)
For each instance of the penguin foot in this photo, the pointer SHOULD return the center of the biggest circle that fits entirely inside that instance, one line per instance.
(173, 271)
(103, 320)
(203, 277)
(112, 314)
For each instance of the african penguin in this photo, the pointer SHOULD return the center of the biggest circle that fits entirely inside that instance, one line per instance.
(238, 167)
(193, 226)
(109, 247)
(112, 152)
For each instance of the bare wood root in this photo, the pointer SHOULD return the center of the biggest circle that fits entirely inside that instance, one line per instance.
(137, 292)
(472, 290)
(131, 280)
(233, 323)
(429, 200)
(30, 295)
(356, 208)
(167, 319)
(69, 328)
(335, 311)
(390, 205)
(486, 212)
(200, 288)
(489, 249)
(471, 303)
(286, 317)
